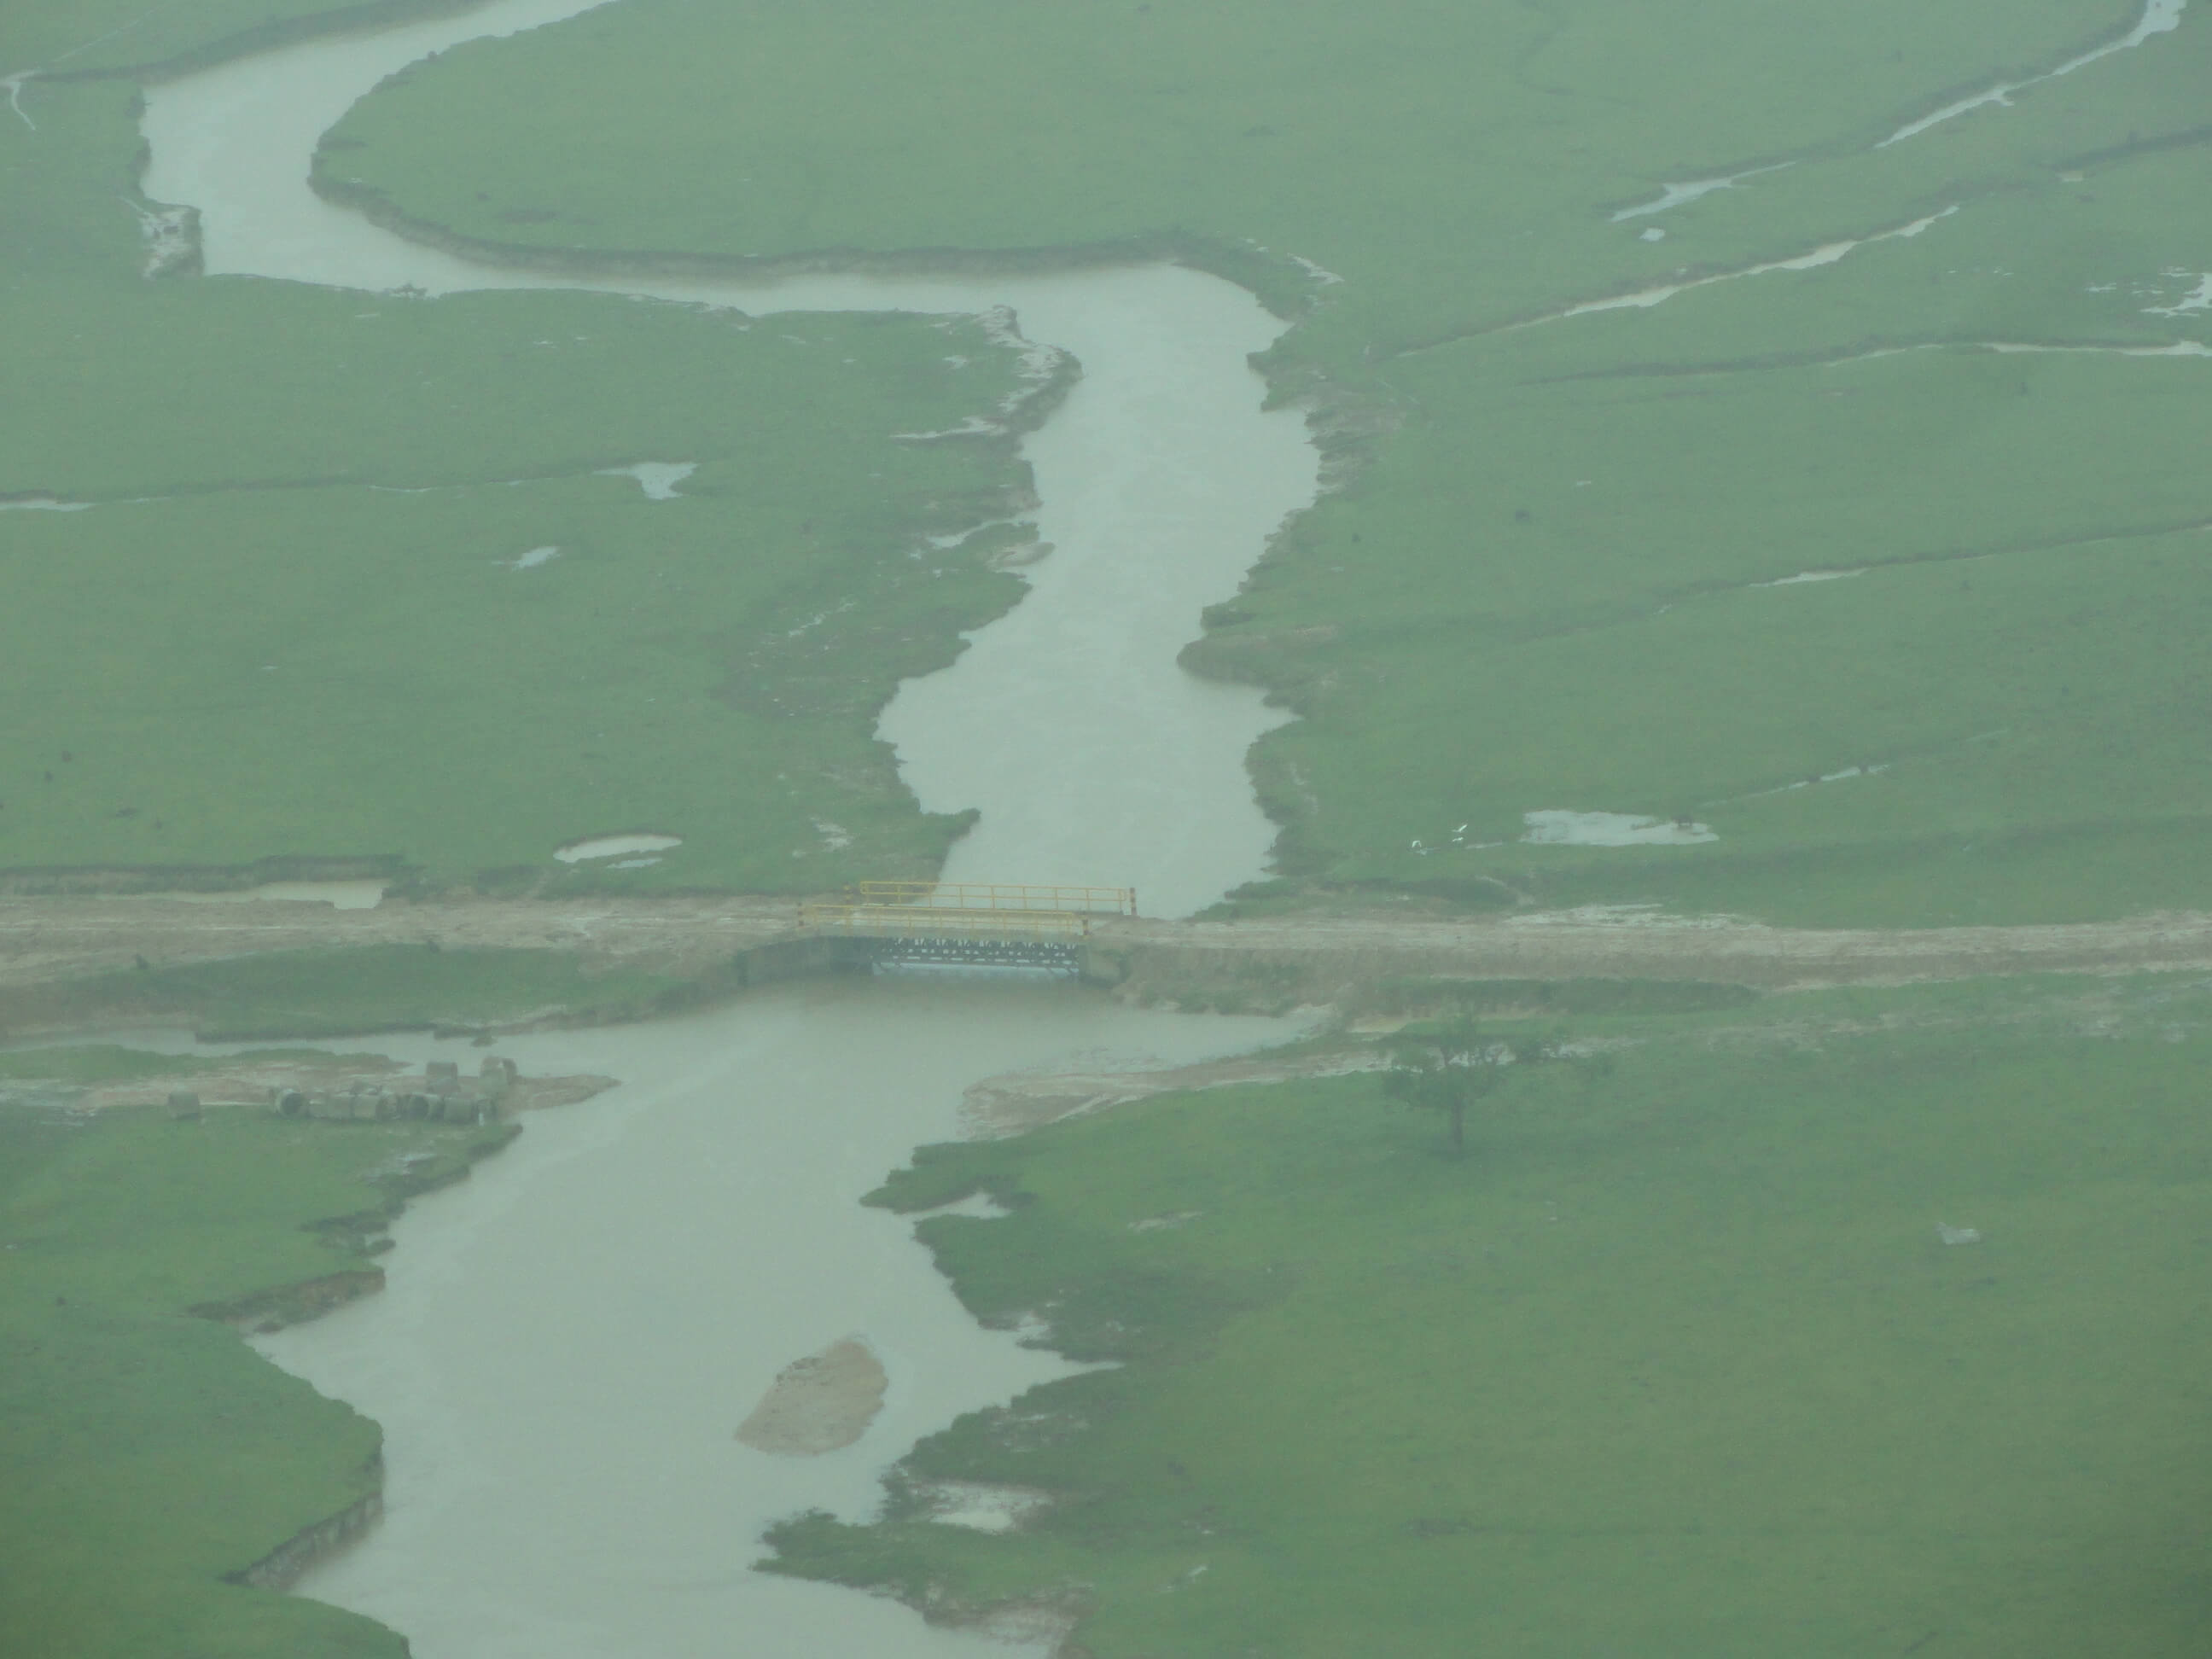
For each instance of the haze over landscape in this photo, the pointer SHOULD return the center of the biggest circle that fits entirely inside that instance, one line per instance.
(1287, 829)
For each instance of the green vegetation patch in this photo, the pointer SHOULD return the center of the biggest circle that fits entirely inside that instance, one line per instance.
(1677, 1360)
(362, 575)
(366, 672)
(148, 1457)
(1543, 584)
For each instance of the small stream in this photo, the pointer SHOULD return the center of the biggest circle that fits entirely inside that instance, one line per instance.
(569, 1341)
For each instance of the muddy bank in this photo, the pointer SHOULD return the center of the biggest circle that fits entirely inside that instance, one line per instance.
(261, 1082)
(282, 1565)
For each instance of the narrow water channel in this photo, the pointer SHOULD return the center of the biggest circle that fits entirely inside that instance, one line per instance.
(568, 1342)
(1091, 755)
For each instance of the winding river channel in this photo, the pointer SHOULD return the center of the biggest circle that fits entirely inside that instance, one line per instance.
(567, 1343)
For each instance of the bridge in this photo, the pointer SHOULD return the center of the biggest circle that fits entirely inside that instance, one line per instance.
(967, 924)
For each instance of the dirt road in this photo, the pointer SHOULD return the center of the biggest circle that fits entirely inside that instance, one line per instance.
(46, 939)
(51, 938)
(1632, 943)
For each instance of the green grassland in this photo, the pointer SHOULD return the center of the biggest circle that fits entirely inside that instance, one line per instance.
(145, 1452)
(290, 625)
(1537, 588)
(1672, 1363)
(363, 672)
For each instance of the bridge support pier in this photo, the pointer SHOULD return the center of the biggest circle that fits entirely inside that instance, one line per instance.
(1043, 956)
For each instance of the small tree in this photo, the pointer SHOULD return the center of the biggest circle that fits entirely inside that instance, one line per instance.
(1450, 1070)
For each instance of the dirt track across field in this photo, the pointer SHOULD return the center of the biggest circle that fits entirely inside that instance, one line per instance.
(1636, 944)
(46, 939)
(43, 938)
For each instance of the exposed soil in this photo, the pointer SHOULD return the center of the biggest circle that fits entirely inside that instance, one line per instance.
(819, 1404)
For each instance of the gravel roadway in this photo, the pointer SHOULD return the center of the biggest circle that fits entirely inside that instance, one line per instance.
(47, 939)
(1637, 943)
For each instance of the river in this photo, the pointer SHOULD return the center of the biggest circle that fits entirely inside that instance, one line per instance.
(1091, 756)
(568, 1342)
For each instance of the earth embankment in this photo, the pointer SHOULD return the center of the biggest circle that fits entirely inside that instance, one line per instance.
(47, 940)
(1324, 957)
(1316, 958)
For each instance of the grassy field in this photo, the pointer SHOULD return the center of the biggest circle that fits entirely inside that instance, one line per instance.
(291, 622)
(1539, 589)
(1674, 1362)
(146, 1454)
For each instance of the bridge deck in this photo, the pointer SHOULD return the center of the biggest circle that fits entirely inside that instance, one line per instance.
(978, 911)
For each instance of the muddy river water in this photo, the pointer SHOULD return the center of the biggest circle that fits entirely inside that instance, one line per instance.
(569, 1342)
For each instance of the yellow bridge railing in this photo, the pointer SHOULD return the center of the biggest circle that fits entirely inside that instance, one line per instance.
(979, 910)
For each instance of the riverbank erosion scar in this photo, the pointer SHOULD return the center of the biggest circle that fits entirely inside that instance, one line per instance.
(281, 1567)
